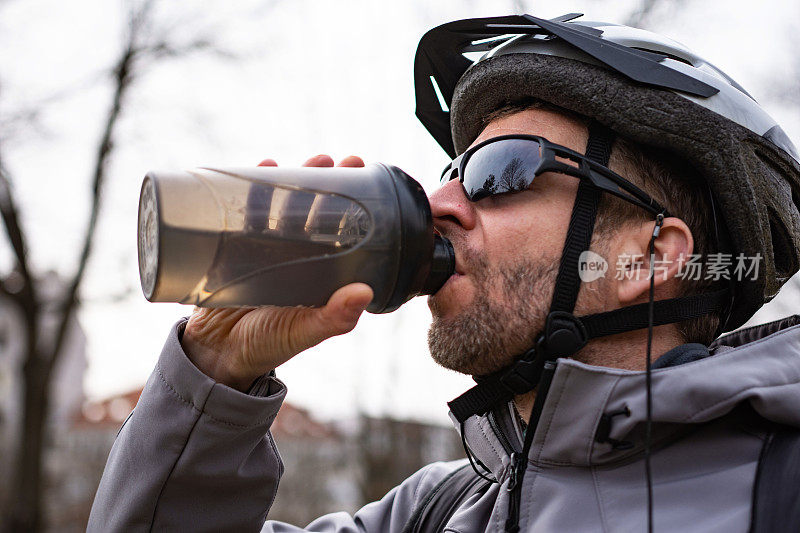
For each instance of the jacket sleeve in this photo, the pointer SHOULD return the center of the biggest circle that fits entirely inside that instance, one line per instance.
(194, 455)
(389, 515)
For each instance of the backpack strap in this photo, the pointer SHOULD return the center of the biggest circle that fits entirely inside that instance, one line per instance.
(776, 493)
(441, 503)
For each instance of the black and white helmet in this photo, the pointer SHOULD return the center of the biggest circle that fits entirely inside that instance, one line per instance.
(643, 86)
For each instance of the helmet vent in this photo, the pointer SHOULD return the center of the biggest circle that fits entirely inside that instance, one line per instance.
(439, 95)
(666, 54)
(782, 249)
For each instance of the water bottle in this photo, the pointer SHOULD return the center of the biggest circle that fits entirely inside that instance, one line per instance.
(287, 236)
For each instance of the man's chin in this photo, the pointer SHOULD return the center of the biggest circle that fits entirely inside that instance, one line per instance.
(461, 345)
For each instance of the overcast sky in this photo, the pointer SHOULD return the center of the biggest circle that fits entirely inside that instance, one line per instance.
(310, 77)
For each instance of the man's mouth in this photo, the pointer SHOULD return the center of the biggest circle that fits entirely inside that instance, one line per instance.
(459, 271)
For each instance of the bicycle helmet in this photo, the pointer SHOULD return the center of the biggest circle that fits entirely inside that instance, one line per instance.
(643, 86)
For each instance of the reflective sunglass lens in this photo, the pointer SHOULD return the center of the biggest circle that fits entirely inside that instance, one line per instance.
(504, 166)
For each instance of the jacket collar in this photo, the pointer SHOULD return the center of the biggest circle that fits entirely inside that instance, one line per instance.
(583, 399)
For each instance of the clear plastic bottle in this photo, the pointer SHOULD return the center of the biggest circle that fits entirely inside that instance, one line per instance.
(287, 236)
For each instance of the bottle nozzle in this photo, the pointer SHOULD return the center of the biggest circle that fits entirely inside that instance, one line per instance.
(443, 265)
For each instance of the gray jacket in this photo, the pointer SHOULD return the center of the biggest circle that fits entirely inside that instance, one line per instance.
(197, 456)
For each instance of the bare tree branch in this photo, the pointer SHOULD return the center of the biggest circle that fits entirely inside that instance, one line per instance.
(123, 78)
(28, 116)
(145, 44)
(10, 214)
(8, 209)
(25, 514)
(166, 49)
(125, 73)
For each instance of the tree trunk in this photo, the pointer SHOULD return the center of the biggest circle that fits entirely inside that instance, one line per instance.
(26, 514)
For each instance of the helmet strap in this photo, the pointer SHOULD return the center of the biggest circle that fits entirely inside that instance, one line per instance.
(564, 334)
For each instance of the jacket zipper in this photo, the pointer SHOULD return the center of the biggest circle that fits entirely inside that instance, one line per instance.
(520, 461)
(501, 435)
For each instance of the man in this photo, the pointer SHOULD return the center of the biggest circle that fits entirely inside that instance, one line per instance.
(569, 139)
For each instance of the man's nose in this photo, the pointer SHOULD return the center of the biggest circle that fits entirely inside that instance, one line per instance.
(449, 205)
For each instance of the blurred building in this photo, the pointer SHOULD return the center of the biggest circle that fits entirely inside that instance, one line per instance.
(75, 461)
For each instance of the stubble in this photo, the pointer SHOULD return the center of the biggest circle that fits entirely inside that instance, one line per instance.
(508, 310)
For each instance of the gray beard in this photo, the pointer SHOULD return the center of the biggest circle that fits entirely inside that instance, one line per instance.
(496, 328)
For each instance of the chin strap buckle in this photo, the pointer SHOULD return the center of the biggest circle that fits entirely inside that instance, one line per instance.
(564, 335)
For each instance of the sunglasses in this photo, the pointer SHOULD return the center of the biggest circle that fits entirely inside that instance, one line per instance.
(509, 163)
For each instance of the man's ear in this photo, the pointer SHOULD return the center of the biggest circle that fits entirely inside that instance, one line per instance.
(673, 246)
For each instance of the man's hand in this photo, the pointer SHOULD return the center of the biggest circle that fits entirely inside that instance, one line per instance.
(234, 346)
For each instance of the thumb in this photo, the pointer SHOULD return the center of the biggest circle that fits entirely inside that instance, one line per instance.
(342, 311)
